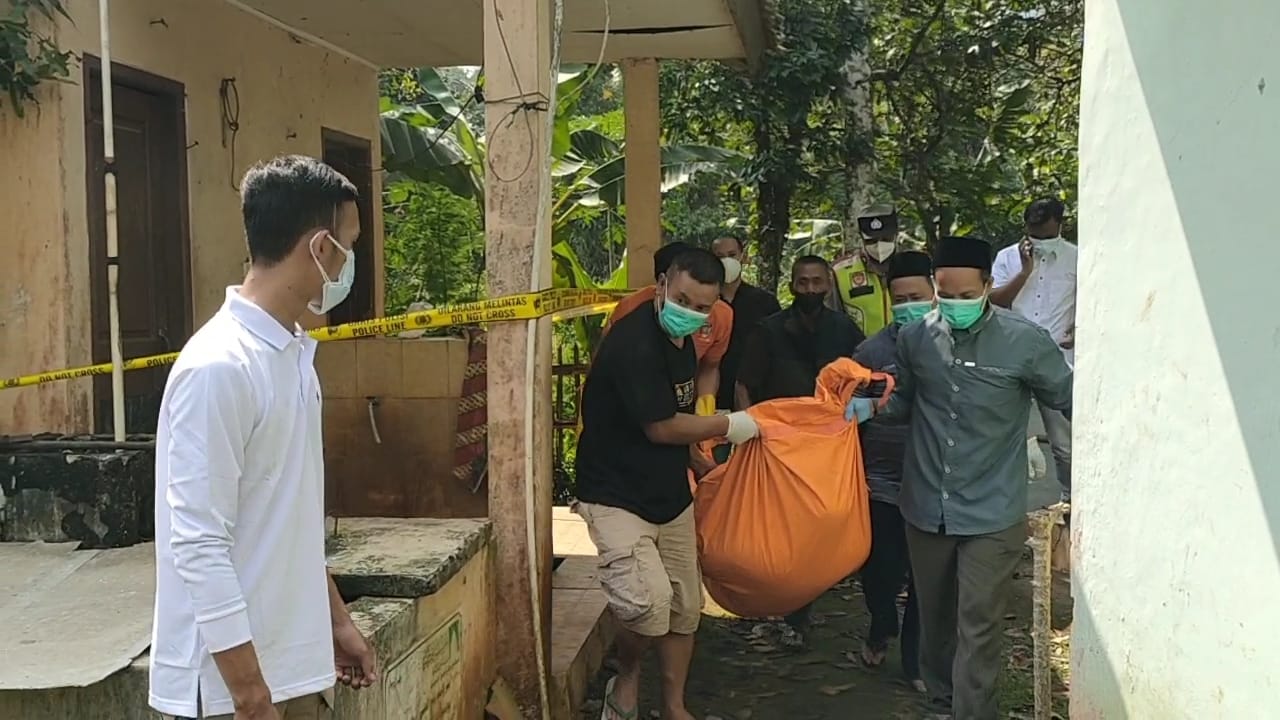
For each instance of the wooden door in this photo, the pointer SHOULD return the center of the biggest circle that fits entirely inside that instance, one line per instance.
(154, 246)
(352, 156)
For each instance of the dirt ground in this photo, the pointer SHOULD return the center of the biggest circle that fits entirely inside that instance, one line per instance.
(741, 672)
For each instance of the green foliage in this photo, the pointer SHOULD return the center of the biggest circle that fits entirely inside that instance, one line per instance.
(977, 110)
(434, 246)
(427, 137)
(789, 119)
(28, 58)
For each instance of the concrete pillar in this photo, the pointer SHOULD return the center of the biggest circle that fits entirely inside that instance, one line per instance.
(518, 85)
(644, 168)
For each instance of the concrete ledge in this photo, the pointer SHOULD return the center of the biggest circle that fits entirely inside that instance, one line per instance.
(582, 629)
(401, 557)
(389, 623)
(61, 489)
(435, 648)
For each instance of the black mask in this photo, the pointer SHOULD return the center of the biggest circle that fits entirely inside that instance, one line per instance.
(809, 303)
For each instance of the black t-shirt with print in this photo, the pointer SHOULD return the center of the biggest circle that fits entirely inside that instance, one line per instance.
(638, 377)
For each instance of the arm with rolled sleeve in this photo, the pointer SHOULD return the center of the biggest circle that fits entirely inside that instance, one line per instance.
(1049, 376)
(211, 415)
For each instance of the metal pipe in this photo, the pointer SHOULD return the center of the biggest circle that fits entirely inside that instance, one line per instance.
(113, 244)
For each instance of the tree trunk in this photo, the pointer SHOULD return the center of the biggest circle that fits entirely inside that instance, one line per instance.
(773, 212)
(859, 132)
(927, 216)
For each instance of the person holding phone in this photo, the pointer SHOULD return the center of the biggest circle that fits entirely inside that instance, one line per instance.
(1037, 279)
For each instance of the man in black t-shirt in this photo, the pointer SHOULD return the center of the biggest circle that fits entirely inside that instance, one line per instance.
(750, 305)
(634, 454)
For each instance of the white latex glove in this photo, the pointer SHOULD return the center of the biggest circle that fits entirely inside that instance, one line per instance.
(742, 427)
(1037, 468)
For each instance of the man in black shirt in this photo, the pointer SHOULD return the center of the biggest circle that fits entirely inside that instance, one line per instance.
(634, 454)
(750, 305)
(786, 352)
(910, 284)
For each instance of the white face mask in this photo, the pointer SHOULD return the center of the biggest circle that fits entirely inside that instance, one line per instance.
(1046, 245)
(334, 291)
(732, 269)
(880, 251)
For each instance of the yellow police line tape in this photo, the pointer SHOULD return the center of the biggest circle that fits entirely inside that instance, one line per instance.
(560, 304)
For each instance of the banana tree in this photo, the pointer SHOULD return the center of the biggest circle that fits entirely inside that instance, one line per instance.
(433, 142)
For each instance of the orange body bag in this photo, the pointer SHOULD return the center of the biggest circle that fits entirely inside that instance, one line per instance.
(788, 516)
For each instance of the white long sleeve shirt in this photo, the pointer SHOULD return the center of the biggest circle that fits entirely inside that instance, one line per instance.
(240, 514)
(1048, 298)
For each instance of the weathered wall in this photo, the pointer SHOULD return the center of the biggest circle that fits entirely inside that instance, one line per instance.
(36, 275)
(288, 91)
(101, 498)
(1177, 508)
(406, 469)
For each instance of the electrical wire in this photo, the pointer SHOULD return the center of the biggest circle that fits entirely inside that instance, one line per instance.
(230, 97)
(448, 124)
(604, 43)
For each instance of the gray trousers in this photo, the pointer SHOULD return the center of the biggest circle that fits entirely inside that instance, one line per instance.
(962, 587)
(1058, 428)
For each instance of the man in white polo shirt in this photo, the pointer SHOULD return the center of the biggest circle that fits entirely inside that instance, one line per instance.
(1037, 279)
(248, 623)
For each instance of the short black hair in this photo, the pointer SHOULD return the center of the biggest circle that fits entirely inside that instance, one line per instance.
(665, 255)
(742, 246)
(810, 260)
(286, 196)
(1044, 210)
(701, 265)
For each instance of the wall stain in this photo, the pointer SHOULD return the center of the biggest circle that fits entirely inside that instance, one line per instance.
(1146, 307)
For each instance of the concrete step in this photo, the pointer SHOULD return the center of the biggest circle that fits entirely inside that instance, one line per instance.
(582, 629)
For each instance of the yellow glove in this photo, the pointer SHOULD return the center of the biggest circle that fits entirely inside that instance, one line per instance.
(706, 405)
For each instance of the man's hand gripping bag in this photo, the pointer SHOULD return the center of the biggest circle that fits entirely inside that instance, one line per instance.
(788, 516)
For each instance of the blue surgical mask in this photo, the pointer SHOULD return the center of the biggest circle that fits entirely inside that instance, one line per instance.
(962, 314)
(909, 312)
(677, 320)
(334, 291)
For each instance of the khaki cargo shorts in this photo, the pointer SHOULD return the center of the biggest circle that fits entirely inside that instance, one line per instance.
(649, 572)
(307, 707)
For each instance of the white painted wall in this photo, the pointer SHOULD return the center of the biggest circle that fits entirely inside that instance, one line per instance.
(1177, 484)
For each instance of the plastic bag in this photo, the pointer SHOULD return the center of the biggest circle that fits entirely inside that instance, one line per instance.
(788, 516)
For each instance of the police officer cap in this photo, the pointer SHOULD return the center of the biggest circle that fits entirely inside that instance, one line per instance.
(879, 222)
(909, 263)
(961, 251)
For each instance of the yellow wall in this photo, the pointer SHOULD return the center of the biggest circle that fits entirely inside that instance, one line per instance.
(288, 91)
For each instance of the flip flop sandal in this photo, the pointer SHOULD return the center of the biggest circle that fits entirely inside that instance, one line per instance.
(867, 653)
(611, 711)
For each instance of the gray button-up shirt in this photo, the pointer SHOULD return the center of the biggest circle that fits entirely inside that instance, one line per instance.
(967, 396)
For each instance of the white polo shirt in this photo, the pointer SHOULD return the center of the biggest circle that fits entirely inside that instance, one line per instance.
(1048, 298)
(240, 514)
